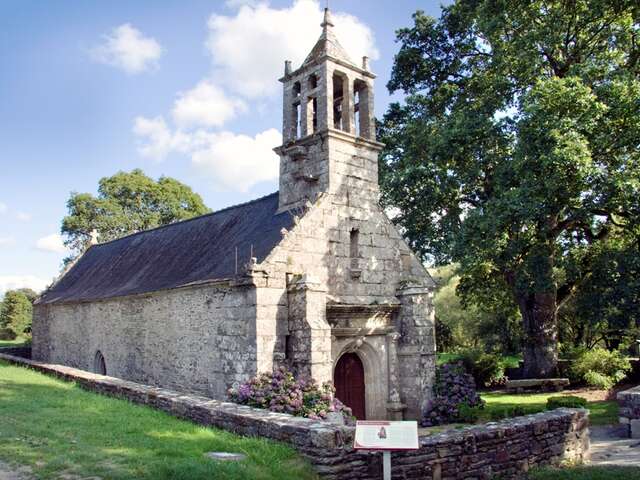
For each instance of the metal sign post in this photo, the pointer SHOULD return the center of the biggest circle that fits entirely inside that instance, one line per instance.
(386, 437)
(386, 465)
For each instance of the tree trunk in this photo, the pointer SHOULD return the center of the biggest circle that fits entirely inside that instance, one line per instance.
(540, 334)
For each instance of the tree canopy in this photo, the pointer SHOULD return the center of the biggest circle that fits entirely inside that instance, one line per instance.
(516, 150)
(127, 202)
(16, 310)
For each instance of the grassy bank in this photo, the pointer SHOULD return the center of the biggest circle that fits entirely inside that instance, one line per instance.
(60, 430)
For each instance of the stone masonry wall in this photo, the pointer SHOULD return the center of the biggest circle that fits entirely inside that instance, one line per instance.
(629, 401)
(506, 449)
(198, 339)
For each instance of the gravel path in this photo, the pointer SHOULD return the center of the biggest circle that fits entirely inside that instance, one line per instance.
(610, 447)
(10, 473)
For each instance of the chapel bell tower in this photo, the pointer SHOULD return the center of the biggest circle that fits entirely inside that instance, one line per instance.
(329, 143)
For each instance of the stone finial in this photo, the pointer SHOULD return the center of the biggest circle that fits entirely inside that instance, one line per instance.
(287, 67)
(365, 63)
(94, 237)
(327, 22)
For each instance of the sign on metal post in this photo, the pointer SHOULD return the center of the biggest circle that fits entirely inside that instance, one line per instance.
(387, 437)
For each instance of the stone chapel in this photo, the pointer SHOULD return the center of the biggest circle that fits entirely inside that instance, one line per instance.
(314, 277)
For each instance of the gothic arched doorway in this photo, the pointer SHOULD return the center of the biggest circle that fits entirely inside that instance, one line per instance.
(349, 381)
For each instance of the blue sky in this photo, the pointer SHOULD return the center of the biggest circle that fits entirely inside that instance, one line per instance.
(184, 88)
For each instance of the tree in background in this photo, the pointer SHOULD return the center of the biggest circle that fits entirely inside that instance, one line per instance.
(516, 150)
(606, 309)
(127, 203)
(483, 325)
(16, 311)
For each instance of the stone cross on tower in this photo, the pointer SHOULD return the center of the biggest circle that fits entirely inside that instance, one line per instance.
(329, 143)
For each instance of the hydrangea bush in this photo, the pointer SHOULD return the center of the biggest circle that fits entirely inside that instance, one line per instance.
(282, 392)
(453, 390)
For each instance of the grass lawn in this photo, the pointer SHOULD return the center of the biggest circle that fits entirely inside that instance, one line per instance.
(585, 473)
(60, 430)
(601, 413)
(13, 343)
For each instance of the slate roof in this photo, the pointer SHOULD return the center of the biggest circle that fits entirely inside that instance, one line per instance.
(188, 252)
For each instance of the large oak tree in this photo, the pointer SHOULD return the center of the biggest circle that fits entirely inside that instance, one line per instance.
(127, 202)
(516, 150)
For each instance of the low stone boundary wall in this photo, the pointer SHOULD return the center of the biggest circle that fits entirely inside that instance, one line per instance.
(506, 449)
(629, 401)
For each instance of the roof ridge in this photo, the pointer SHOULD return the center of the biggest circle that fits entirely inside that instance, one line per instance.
(186, 220)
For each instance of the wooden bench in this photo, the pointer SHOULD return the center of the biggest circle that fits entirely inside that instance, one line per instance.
(544, 384)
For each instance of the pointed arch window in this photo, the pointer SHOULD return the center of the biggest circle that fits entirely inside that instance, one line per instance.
(99, 365)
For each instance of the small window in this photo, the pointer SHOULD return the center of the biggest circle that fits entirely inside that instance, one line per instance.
(287, 346)
(354, 238)
(99, 365)
(296, 89)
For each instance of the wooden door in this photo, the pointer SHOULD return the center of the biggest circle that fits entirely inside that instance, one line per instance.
(349, 383)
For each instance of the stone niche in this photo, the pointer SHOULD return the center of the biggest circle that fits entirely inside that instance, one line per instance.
(370, 332)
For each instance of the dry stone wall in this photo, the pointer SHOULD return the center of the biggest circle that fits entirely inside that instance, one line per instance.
(629, 401)
(506, 449)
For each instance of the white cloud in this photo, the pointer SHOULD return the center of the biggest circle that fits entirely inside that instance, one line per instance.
(238, 161)
(13, 282)
(157, 135)
(128, 49)
(23, 216)
(241, 3)
(248, 49)
(51, 243)
(7, 241)
(3, 207)
(231, 161)
(205, 105)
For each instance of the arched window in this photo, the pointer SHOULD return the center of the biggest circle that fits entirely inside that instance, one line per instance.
(99, 365)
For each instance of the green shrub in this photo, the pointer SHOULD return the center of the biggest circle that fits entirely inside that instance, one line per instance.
(487, 368)
(468, 414)
(500, 413)
(600, 367)
(519, 411)
(7, 334)
(598, 380)
(566, 402)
